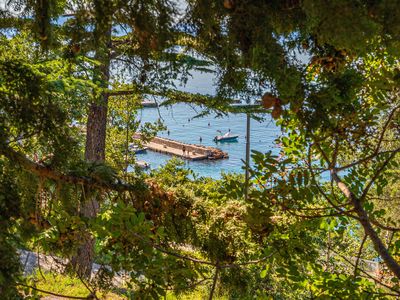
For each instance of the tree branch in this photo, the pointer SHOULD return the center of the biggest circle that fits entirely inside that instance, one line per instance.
(338, 208)
(199, 261)
(366, 274)
(359, 254)
(48, 173)
(366, 224)
(214, 282)
(384, 227)
(378, 146)
(363, 219)
(51, 293)
(377, 173)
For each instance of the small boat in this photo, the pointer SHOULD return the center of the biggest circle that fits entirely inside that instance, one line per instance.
(149, 103)
(142, 164)
(227, 137)
(137, 149)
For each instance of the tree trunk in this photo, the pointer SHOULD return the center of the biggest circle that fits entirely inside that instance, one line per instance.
(96, 131)
(82, 262)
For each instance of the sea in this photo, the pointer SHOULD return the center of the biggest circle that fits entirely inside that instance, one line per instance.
(182, 125)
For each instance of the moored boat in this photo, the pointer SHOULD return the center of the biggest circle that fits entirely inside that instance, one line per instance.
(149, 103)
(142, 164)
(137, 149)
(227, 137)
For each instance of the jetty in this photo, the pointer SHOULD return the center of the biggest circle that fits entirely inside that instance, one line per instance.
(183, 150)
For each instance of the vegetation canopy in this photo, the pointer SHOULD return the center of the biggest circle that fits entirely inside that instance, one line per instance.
(321, 217)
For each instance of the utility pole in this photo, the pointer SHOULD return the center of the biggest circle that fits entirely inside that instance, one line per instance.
(246, 185)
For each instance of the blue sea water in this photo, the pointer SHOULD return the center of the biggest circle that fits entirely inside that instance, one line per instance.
(176, 118)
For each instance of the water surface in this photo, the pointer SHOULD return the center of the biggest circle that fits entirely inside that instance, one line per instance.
(182, 127)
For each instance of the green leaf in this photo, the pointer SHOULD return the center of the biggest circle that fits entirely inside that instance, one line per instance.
(263, 273)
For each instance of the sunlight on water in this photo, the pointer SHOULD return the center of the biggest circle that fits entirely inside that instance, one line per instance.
(182, 128)
(176, 118)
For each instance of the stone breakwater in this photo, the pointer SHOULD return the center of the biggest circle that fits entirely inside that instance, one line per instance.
(183, 150)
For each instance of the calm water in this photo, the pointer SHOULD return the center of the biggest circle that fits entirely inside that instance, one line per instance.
(176, 118)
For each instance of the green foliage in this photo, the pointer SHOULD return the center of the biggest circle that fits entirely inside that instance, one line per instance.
(127, 244)
(10, 212)
(298, 233)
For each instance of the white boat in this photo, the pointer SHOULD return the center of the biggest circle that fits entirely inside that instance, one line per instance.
(149, 103)
(227, 137)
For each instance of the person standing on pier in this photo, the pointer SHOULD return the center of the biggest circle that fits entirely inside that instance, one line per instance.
(183, 149)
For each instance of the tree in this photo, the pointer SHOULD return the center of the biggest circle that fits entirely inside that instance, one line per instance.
(39, 101)
(336, 106)
(132, 34)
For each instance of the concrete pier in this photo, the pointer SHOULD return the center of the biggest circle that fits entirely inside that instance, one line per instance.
(183, 150)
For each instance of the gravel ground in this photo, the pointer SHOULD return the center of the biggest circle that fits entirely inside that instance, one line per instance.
(31, 262)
